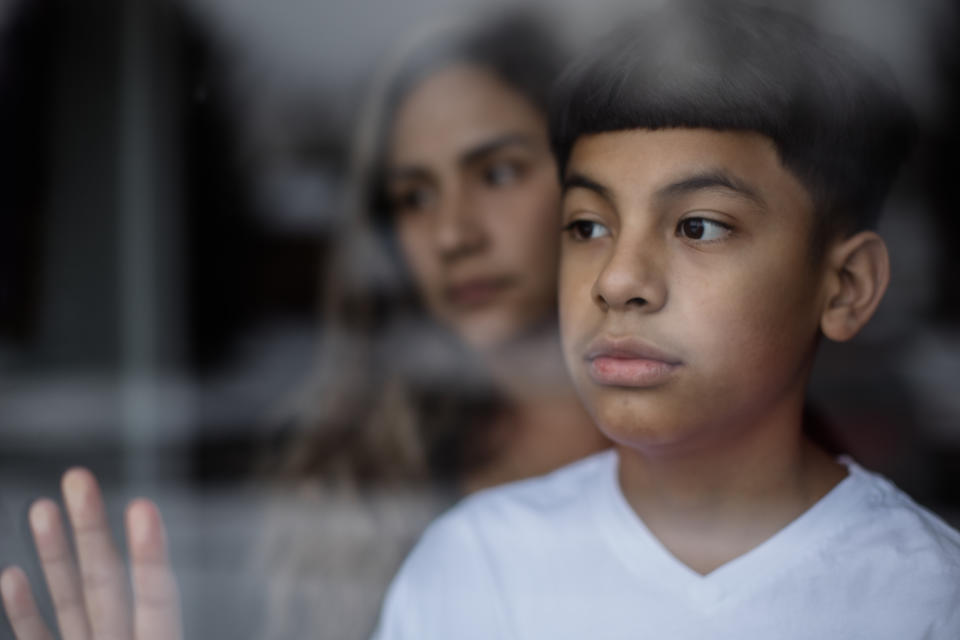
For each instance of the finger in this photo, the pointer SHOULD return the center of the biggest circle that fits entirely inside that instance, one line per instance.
(156, 599)
(59, 569)
(102, 572)
(20, 606)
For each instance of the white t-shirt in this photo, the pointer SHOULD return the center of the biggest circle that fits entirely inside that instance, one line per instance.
(564, 556)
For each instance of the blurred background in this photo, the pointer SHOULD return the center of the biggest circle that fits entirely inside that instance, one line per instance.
(170, 172)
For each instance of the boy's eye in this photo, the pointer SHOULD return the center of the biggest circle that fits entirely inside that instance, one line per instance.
(500, 174)
(586, 230)
(702, 229)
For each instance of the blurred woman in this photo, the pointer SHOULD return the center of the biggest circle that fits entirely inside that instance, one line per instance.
(440, 370)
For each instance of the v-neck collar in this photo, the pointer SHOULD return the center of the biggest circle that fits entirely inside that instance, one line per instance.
(644, 554)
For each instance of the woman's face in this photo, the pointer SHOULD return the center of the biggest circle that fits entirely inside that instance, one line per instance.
(475, 198)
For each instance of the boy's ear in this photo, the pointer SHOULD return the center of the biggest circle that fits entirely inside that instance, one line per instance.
(858, 274)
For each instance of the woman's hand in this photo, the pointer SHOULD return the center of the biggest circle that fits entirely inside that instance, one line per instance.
(92, 601)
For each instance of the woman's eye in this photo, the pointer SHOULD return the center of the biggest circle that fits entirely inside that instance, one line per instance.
(702, 229)
(586, 230)
(411, 200)
(501, 174)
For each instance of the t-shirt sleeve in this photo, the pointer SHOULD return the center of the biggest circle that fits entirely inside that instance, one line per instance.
(446, 588)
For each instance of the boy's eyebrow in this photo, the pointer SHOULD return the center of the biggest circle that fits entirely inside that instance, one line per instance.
(575, 180)
(478, 152)
(711, 179)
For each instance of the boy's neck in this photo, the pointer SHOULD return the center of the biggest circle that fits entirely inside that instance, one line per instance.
(708, 505)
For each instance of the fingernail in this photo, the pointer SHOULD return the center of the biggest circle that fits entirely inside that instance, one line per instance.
(75, 484)
(9, 580)
(41, 518)
(140, 525)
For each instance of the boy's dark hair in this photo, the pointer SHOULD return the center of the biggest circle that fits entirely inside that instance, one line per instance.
(837, 120)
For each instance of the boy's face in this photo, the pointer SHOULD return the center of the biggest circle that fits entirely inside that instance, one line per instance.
(689, 300)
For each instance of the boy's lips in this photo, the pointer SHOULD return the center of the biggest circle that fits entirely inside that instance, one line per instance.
(628, 362)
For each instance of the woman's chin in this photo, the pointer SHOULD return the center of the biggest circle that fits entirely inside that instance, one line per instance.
(485, 339)
(492, 333)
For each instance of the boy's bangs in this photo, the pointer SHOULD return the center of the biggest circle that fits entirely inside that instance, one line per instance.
(842, 130)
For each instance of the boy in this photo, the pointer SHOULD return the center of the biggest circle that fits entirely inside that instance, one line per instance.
(722, 169)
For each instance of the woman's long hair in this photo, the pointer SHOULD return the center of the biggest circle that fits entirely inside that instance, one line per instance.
(398, 408)
(395, 396)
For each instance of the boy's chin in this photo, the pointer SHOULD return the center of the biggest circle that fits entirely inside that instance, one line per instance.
(650, 442)
(651, 431)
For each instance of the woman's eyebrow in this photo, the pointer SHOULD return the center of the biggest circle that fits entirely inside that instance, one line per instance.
(469, 157)
(411, 172)
(480, 151)
(713, 180)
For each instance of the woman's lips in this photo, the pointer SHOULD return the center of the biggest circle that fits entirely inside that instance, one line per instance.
(476, 292)
(629, 363)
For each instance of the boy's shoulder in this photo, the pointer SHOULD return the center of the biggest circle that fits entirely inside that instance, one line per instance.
(517, 509)
(889, 522)
(516, 515)
(893, 556)
(452, 583)
(548, 492)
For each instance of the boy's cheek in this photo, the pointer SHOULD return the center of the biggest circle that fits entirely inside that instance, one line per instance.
(645, 418)
(578, 321)
(576, 316)
(577, 271)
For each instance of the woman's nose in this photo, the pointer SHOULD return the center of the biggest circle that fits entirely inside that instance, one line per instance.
(460, 228)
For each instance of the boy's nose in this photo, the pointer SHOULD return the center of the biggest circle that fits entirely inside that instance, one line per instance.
(460, 230)
(631, 279)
